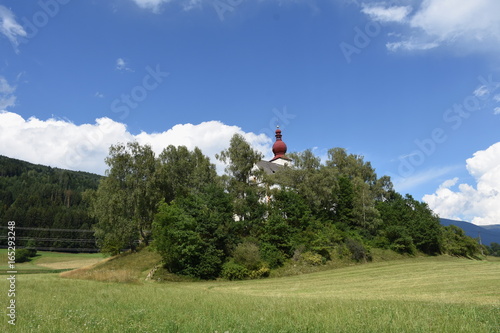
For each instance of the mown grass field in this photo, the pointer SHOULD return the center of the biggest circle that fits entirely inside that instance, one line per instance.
(431, 294)
(51, 261)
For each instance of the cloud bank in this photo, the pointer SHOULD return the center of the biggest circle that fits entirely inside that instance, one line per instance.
(61, 143)
(479, 204)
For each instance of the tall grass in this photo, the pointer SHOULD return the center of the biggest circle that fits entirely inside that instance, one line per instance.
(421, 295)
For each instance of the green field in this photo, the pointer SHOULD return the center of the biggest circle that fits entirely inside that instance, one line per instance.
(51, 262)
(430, 294)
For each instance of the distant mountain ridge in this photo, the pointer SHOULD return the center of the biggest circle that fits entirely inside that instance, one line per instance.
(488, 233)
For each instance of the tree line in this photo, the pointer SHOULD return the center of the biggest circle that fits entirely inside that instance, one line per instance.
(47, 205)
(245, 222)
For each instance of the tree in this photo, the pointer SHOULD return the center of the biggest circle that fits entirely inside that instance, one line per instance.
(45, 198)
(241, 159)
(363, 180)
(182, 171)
(127, 198)
(457, 243)
(408, 224)
(494, 249)
(191, 233)
(316, 184)
(345, 202)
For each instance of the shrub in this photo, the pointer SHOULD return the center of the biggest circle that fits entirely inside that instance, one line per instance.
(357, 250)
(22, 255)
(234, 271)
(343, 251)
(31, 247)
(403, 245)
(456, 243)
(247, 254)
(400, 240)
(274, 257)
(314, 259)
(494, 249)
(262, 272)
(189, 242)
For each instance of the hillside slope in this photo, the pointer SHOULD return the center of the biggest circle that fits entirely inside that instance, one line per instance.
(46, 204)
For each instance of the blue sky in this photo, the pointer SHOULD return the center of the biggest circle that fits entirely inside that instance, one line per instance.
(414, 86)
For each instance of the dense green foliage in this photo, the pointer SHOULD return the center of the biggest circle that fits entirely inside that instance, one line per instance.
(456, 243)
(136, 182)
(238, 225)
(193, 233)
(494, 249)
(127, 198)
(243, 223)
(23, 255)
(39, 198)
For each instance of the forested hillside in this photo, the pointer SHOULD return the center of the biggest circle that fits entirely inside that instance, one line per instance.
(46, 204)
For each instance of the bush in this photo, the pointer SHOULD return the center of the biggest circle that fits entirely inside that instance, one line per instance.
(262, 272)
(234, 271)
(494, 249)
(311, 258)
(457, 243)
(31, 247)
(274, 257)
(358, 251)
(22, 255)
(247, 254)
(189, 243)
(400, 240)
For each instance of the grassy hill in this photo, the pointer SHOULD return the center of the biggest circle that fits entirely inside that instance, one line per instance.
(127, 267)
(426, 294)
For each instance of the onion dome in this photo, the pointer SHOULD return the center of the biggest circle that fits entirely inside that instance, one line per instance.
(279, 147)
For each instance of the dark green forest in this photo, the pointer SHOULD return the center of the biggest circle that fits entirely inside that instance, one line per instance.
(46, 204)
(245, 223)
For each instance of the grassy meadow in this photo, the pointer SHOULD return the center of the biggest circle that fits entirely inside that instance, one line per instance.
(45, 262)
(428, 294)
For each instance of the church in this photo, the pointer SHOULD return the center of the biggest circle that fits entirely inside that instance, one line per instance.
(279, 160)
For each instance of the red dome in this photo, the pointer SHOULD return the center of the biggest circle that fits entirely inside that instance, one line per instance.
(279, 147)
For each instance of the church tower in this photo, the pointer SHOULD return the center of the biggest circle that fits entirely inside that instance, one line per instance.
(279, 150)
(279, 160)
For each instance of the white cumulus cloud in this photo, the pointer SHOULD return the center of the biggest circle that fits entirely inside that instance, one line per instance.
(450, 19)
(60, 143)
(469, 25)
(479, 204)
